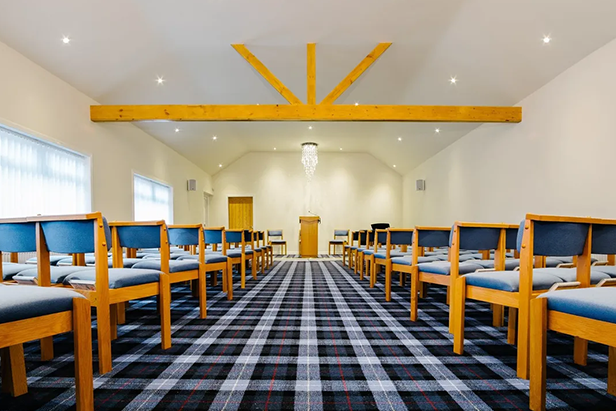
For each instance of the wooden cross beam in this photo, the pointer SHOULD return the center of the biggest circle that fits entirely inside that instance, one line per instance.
(298, 111)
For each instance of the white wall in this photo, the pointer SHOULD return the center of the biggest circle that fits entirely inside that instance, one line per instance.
(35, 101)
(348, 191)
(559, 160)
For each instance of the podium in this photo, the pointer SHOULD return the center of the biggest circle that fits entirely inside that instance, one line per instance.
(309, 236)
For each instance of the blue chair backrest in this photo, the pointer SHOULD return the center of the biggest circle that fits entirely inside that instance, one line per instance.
(247, 236)
(478, 238)
(212, 236)
(18, 237)
(139, 236)
(603, 239)
(72, 236)
(341, 233)
(556, 238)
(183, 236)
(433, 238)
(381, 237)
(511, 238)
(233, 236)
(274, 233)
(260, 236)
(401, 237)
(355, 235)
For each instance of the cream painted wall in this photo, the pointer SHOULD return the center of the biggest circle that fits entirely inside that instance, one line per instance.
(348, 191)
(559, 160)
(36, 102)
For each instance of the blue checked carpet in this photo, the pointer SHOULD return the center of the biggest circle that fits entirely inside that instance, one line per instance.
(311, 336)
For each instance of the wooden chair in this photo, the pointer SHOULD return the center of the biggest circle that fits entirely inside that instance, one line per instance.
(260, 251)
(367, 263)
(402, 237)
(16, 236)
(278, 240)
(366, 241)
(346, 250)
(538, 236)
(337, 241)
(241, 256)
(30, 313)
(216, 260)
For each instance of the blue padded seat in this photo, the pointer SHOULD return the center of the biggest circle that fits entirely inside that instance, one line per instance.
(594, 303)
(551, 262)
(53, 259)
(510, 280)
(172, 256)
(607, 269)
(476, 256)
(235, 253)
(570, 274)
(210, 257)
(392, 254)
(11, 269)
(277, 241)
(469, 257)
(21, 302)
(119, 277)
(485, 263)
(126, 262)
(175, 266)
(57, 274)
(69, 261)
(444, 267)
(337, 241)
(441, 257)
(510, 264)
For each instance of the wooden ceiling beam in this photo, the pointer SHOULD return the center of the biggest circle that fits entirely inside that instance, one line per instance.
(309, 112)
(311, 79)
(267, 75)
(354, 75)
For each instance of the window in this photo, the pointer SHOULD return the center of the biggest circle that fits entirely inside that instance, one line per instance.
(153, 200)
(37, 177)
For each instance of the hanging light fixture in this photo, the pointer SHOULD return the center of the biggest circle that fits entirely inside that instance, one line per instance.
(310, 158)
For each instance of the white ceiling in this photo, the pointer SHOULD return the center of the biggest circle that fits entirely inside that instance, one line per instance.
(494, 47)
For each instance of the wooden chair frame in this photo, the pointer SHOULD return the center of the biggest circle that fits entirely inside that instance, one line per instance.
(239, 260)
(14, 334)
(518, 302)
(345, 250)
(387, 263)
(225, 267)
(358, 254)
(278, 242)
(331, 243)
(368, 259)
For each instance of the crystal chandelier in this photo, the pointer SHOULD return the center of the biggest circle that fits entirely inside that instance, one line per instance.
(310, 158)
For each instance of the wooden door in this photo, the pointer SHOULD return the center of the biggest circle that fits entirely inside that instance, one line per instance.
(240, 213)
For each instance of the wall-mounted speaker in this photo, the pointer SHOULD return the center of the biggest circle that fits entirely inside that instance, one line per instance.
(420, 185)
(192, 185)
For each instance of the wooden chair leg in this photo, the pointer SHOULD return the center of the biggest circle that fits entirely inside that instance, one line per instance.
(121, 307)
(512, 325)
(458, 313)
(243, 272)
(46, 349)
(202, 283)
(498, 313)
(580, 351)
(611, 371)
(402, 279)
(113, 320)
(14, 379)
(82, 335)
(423, 291)
(253, 267)
(387, 280)
(103, 329)
(415, 285)
(165, 311)
(228, 277)
(538, 353)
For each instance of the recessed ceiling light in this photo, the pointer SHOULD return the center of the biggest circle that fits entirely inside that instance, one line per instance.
(160, 80)
(66, 40)
(257, 104)
(274, 148)
(546, 39)
(177, 130)
(309, 127)
(399, 138)
(219, 165)
(453, 80)
(340, 148)
(356, 103)
(437, 130)
(214, 138)
(394, 166)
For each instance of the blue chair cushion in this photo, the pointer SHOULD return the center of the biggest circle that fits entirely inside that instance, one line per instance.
(444, 267)
(510, 264)
(336, 241)
(392, 254)
(277, 241)
(53, 259)
(233, 253)
(510, 280)
(20, 302)
(485, 263)
(57, 274)
(441, 257)
(570, 274)
(368, 252)
(119, 277)
(175, 266)
(215, 258)
(552, 262)
(69, 261)
(594, 303)
(607, 269)
(11, 269)
(126, 262)
(469, 257)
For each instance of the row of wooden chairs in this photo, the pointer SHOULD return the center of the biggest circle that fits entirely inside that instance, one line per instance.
(111, 282)
(473, 262)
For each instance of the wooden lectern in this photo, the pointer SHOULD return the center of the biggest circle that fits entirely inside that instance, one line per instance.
(309, 236)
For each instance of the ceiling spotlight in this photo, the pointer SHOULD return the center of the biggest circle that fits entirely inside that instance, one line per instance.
(177, 130)
(399, 138)
(219, 165)
(546, 39)
(356, 103)
(453, 80)
(437, 130)
(309, 127)
(394, 166)
(274, 148)
(160, 80)
(214, 138)
(66, 40)
(340, 148)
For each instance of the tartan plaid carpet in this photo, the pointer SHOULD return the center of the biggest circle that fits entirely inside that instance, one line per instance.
(311, 336)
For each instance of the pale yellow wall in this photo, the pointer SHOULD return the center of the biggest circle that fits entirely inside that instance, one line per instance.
(348, 191)
(35, 101)
(559, 160)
